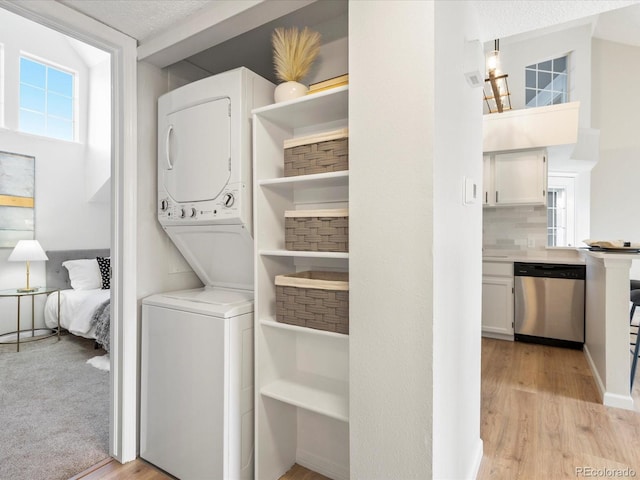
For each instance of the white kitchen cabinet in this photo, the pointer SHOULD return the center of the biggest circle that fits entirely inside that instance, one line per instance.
(497, 300)
(302, 374)
(516, 178)
(487, 180)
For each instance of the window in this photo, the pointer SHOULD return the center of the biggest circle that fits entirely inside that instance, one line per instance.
(546, 83)
(46, 100)
(560, 211)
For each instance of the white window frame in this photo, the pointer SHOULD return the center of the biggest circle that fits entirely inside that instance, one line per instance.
(540, 91)
(566, 182)
(75, 97)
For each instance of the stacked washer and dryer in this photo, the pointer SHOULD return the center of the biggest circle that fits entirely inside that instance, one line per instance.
(196, 405)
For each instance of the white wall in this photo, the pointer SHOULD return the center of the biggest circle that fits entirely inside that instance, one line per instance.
(415, 249)
(391, 118)
(64, 219)
(161, 267)
(616, 112)
(393, 157)
(457, 250)
(98, 172)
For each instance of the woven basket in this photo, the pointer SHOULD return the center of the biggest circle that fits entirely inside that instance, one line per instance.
(317, 230)
(314, 299)
(320, 153)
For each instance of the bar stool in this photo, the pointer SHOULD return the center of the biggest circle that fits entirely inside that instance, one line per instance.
(635, 300)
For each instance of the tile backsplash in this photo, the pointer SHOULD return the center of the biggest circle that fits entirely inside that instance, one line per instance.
(514, 228)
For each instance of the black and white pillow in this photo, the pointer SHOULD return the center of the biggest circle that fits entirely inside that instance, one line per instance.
(104, 263)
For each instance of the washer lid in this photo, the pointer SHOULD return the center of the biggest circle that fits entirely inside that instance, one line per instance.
(195, 153)
(215, 302)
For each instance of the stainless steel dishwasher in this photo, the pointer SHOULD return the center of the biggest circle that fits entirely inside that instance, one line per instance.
(549, 303)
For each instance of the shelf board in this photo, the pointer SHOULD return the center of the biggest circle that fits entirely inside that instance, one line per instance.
(317, 108)
(315, 393)
(329, 179)
(304, 330)
(268, 252)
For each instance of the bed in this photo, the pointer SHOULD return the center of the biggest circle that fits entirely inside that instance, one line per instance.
(84, 293)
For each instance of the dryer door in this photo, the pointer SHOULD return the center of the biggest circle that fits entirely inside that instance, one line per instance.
(195, 155)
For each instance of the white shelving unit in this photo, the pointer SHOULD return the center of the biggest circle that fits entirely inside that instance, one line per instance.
(302, 374)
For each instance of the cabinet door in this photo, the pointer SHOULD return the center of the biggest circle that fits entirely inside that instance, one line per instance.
(487, 185)
(497, 307)
(520, 178)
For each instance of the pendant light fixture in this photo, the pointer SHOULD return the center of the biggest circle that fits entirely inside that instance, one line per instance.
(498, 98)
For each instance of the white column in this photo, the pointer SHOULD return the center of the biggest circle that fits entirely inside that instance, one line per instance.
(607, 326)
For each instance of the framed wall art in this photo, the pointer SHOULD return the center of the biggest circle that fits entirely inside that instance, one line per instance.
(17, 194)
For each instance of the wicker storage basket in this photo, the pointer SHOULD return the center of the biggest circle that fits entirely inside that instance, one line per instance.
(317, 230)
(320, 153)
(314, 299)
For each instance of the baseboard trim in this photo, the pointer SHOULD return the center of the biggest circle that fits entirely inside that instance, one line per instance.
(594, 372)
(322, 465)
(475, 466)
(618, 401)
(497, 336)
(608, 399)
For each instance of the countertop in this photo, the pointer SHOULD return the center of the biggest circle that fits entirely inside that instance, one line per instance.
(621, 255)
(572, 256)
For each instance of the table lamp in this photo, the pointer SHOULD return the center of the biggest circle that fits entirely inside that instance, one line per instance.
(27, 251)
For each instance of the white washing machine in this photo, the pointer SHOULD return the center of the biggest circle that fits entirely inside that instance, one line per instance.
(196, 402)
(197, 387)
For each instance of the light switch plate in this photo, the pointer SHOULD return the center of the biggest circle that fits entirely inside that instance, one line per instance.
(471, 191)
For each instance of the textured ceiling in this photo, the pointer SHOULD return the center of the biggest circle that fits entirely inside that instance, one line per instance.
(143, 19)
(500, 18)
(139, 19)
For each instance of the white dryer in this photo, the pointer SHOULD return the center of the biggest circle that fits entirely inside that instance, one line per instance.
(204, 173)
(196, 402)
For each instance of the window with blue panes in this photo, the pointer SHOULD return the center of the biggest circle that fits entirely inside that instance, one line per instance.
(547, 83)
(46, 100)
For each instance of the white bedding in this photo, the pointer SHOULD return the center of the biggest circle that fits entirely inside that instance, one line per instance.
(76, 309)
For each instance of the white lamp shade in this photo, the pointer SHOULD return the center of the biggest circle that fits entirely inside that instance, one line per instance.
(27, 250)
(493, 61)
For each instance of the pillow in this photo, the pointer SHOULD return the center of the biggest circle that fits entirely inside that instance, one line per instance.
(104, 264)
(84, 274)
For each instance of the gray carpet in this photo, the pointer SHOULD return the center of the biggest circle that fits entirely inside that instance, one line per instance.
(54, 409)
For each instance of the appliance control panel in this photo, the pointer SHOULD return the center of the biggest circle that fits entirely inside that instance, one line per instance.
(226, 208)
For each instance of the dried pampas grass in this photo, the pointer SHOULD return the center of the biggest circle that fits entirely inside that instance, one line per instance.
(294, 52)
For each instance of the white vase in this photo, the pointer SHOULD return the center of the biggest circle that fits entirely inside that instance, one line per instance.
(288, 91)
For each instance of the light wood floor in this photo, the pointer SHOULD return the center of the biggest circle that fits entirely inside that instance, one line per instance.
(541, 417)
(110, 469)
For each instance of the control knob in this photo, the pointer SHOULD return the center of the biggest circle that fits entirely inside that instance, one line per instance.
(228, 199)
(164, 204)
(192, 212)
(182, 213)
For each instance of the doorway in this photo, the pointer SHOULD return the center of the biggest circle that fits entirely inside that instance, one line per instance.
(124, 336)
